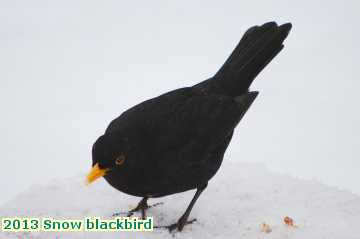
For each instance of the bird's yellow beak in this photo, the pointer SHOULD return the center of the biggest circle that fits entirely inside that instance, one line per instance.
(95, 173)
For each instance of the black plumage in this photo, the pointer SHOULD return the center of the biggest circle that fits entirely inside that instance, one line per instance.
(176, 142)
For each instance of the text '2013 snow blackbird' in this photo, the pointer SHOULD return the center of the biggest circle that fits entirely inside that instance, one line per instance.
(176, 141)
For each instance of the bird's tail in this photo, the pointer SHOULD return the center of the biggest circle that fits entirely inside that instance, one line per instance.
(258, 46)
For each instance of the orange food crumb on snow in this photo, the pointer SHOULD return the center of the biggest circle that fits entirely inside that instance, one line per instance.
(289, 221)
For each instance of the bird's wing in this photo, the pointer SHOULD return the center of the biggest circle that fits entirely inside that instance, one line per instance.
(183, 118)
(199, 121)
(193, 138)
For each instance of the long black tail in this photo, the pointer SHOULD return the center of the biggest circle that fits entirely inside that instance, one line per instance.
(258, 46)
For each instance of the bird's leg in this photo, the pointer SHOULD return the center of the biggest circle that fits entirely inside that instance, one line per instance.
(142, 206)
(183, 220)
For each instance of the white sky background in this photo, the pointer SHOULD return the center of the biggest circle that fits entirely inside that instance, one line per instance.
(69, 67)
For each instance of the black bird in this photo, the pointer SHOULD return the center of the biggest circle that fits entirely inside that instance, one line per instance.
(176, 142)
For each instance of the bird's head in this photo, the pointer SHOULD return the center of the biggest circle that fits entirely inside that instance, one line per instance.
(109, 153)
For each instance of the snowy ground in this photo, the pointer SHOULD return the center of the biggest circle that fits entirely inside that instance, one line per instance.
(236, 202)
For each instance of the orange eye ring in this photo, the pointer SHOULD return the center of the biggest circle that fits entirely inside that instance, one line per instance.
(120, 160)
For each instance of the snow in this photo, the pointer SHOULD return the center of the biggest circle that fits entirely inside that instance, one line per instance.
(237, 201)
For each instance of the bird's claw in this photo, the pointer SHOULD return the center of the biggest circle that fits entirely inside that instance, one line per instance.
(179, 225)
(155, 204)
(118, 214)
(140, 208)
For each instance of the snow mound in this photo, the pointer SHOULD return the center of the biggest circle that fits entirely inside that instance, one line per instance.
(237, 201)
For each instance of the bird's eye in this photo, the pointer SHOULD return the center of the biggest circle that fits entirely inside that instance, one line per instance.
(120, 160)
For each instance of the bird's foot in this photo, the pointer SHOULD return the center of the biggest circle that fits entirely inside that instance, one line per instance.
(141, 207)
(179, 225)
(120, 214)
(145, 206)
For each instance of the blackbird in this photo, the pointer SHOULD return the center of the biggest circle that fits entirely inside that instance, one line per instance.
(176, 142)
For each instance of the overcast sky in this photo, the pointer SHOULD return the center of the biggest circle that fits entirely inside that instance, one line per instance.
(69, 67)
